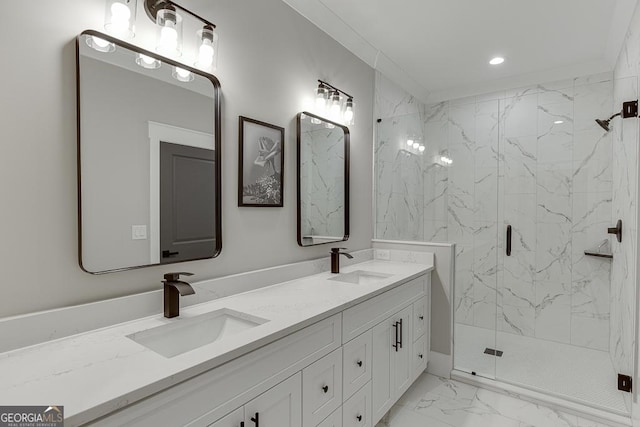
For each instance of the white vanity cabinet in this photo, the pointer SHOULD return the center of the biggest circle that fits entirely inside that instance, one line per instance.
(345, 370)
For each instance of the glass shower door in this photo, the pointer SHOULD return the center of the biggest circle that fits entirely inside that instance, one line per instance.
(473, 179)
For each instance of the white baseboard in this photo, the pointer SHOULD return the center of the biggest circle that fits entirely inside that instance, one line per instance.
(440, 364)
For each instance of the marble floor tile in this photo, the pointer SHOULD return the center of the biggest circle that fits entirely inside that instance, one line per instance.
(439, 402)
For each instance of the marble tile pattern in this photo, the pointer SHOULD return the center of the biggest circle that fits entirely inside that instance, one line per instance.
(322, 207)
(439, 402)
(532, 158)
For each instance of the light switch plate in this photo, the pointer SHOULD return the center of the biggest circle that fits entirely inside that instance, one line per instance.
(384, 254)
(138, 232)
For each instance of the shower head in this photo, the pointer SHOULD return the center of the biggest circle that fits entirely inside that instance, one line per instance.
(604, 124)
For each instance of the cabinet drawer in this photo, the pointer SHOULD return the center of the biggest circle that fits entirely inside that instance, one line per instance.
(356, 412)
(420, 356)
(419, 318)
(333, 420)
(356, 368)
(321, 388)
(366, 315)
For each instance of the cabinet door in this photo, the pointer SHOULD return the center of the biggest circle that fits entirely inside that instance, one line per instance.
(402, 359)
(321, 388)
(383, 338)
(280, 406)
(234, 419)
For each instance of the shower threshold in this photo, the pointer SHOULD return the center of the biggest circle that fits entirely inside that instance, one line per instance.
(541, 397)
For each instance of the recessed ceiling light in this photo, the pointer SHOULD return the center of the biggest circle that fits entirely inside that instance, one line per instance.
(496, 61)
(558, 122)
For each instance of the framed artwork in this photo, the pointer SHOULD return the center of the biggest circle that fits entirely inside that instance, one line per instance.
(261, 164)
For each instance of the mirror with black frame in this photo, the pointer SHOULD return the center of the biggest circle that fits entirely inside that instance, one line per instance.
(148, 158)
(323, 180)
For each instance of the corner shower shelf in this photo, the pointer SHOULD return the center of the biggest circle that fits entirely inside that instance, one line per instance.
(602, 250)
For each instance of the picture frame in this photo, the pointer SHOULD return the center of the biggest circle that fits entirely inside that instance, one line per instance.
(260, 164)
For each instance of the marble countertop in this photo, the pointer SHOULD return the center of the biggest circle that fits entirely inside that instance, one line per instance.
(95, 373)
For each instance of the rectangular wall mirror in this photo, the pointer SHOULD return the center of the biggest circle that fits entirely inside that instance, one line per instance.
(148, 158)
(323, 180)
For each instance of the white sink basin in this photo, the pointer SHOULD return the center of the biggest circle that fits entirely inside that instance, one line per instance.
(186, 334)
(361, 277)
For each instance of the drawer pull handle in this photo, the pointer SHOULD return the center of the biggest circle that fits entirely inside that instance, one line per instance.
(420, 356)
(421, 317)
(359, 417)
(242, 424)
(325, 388)
(359, 362)
(256, 420)
(400, 343)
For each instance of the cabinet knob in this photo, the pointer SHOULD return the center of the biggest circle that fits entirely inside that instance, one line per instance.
(421, 317)
(420, 356)
(359, 362)
(325, 388)
(359, 418)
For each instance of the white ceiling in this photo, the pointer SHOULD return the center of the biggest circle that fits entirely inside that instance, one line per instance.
(440, 49)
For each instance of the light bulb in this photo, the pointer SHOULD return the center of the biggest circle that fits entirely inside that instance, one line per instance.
(321, 99)
(182, 75)
(99, 44)
(416, 145)
(348, 112)
(334, 111)
(120, 16)
(102, 43)
(410, 142)
(205, 54)
(168, 37)
(146, 61)
(421, 148)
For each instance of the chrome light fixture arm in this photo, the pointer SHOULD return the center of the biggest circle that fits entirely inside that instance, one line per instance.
(153, 6)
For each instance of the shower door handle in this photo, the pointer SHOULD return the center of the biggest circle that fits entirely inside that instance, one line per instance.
(508, 240)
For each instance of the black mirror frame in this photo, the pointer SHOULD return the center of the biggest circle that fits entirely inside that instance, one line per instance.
(217, 145)
(347, 139)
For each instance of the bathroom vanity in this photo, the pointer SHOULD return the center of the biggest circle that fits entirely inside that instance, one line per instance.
(321, 350)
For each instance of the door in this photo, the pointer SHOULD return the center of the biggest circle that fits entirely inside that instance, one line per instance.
(401, 357)
(187, 203)
(281, 406)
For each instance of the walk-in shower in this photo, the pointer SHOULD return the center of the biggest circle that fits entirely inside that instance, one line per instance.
(550, 313)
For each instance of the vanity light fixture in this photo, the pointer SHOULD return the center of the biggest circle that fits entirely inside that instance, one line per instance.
(410, 142)
(120, 18)
(147, 62)
(168, 17)
(330, 97)
(421, 148)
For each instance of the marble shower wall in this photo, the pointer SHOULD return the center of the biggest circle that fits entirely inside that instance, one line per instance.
(512, 164)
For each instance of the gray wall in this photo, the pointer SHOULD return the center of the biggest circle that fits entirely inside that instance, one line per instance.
(270, 58)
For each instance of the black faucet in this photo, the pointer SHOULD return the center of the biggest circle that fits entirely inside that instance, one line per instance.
(173, 288)
(335, 259)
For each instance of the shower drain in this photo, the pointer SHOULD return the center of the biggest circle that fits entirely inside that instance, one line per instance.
(493, 352)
